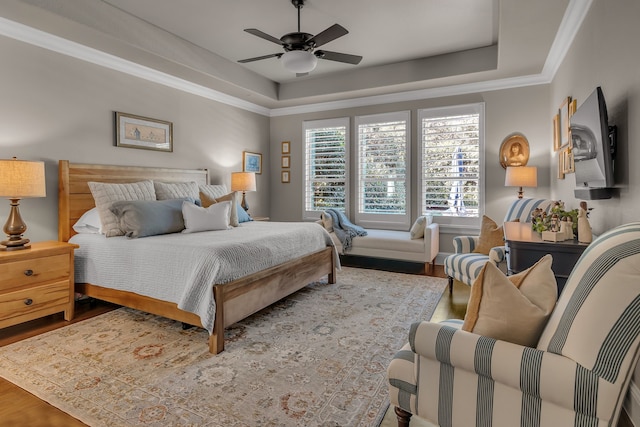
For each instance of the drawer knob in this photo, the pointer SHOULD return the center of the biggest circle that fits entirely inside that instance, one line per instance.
(28, 272)
(28, 301)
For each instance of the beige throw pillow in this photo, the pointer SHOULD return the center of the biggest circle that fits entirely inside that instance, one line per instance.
(512, 308)
(207, 201)
(490, 236)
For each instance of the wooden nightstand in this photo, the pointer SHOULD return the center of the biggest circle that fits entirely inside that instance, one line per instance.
(36, 282)
(260, 218)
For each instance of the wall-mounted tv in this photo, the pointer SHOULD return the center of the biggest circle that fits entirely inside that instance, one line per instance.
(593, 141)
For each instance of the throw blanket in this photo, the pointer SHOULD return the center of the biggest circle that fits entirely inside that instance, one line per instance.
(345, 230)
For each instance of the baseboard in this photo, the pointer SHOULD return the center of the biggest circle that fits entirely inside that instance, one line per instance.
(631, 404)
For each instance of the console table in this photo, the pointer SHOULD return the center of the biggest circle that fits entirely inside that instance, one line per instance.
(525, 247)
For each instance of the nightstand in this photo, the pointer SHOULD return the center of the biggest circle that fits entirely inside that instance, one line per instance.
(260, 218)
(36, 282)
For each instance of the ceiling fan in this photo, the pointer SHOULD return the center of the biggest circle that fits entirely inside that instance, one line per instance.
(300, 55)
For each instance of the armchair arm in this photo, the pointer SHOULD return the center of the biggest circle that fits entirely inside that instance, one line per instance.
(465, 244)
(550, 377)
(498, 254)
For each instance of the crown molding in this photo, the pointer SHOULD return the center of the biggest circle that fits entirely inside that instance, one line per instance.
(571, 22)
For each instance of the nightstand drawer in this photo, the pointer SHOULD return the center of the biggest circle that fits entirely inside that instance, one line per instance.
(33, 271)
(17, 303)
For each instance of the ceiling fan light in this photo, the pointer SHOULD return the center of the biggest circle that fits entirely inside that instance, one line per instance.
(299, 61)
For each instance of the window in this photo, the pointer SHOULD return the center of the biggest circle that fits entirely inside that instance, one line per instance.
(451, 140)
(383, 188)
(326, 176)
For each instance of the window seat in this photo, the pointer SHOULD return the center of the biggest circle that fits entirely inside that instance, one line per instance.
(395, 245)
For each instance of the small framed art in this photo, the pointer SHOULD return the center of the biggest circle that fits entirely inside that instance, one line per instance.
(284, 176)
(251, 162)
(286, 147)
(556, 132)
(142, 132)
(568, 165)
(565, 127)
(285, 161)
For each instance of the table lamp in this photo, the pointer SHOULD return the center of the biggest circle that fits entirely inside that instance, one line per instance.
(19, 179)
(521, 176)
(243, 181)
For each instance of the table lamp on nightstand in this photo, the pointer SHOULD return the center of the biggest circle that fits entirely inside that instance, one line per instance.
(521, 176)
(19, 179)
(243, 181)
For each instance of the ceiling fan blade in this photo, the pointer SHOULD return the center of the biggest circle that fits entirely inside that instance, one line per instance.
(258, 58)
(263, 35)
(339, 57)
(331, 33)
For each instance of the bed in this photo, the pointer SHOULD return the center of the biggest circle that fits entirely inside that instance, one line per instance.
(234, 300)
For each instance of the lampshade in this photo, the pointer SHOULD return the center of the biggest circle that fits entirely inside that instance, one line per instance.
(20, 179)
(243, 181)
(521, 176)
(299, 61)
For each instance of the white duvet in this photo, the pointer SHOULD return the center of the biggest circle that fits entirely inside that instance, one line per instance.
(181, 268)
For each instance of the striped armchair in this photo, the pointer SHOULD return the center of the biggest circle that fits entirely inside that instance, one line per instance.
(464, 265)
(577, 375)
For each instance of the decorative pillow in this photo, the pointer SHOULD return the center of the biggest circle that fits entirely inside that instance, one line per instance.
(490, 236)
(243, 216)
(207, 201)
(89, 223)
(417, 229)
(214, 217)
(176, 190)
(142, 218)
(104, 194)
(213, 191)
(327, 222)
(512, 308)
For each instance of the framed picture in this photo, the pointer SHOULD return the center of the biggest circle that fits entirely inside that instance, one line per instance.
(286, 147)
(143, 132)
(565, 127)
(285, 161)
(514, 151)
(573, 105)
(556, 132)
(284, 176)
(251, 162)
(568, 165)
(560, 165)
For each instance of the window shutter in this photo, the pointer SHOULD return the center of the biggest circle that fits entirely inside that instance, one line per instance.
(325, 165)
(450, 169)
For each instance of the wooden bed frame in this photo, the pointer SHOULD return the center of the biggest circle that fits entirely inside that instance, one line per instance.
(234, 301)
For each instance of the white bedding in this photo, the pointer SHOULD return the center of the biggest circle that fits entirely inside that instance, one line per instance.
(181, 268)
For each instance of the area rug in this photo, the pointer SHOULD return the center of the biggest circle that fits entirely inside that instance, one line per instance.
(316, 358)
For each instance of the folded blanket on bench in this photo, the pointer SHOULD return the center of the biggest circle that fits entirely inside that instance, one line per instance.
(345, 230)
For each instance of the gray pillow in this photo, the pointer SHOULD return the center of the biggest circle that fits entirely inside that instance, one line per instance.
(176, 190)
(141, 218)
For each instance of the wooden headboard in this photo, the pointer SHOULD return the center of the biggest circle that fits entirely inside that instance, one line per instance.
(74, 196)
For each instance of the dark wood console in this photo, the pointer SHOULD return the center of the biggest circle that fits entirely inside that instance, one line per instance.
(525, 247)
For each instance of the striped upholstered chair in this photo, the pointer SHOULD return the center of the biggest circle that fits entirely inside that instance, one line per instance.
(464, 265)
(577, 375)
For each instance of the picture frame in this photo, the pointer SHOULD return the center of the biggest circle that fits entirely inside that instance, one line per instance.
(573, 106)
(560, 165)
(285, 161)
(568, 164)
(514, 151)
(286, 147)
(143, 132)
(285, 177)
(565, 127)
(556, 132)
(252, 162)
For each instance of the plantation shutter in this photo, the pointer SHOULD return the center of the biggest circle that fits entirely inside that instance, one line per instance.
(450, 161)
(383, 171)
(326, 148)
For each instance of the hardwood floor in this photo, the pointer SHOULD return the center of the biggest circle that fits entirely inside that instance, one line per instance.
(20, 408)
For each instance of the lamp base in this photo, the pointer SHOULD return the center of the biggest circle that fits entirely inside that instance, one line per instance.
(15, 244)
(244, 203)
(14, 228)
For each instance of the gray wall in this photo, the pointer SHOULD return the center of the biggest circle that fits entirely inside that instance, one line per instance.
(55, 107)
(523, 110)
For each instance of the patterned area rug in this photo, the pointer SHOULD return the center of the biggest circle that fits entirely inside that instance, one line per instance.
(317, 358)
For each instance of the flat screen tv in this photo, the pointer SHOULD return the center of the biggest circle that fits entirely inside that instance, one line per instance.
(592, 141)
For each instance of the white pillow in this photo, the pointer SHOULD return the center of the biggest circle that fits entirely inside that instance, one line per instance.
(417, 229)
(89, 223)
(196, 218)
